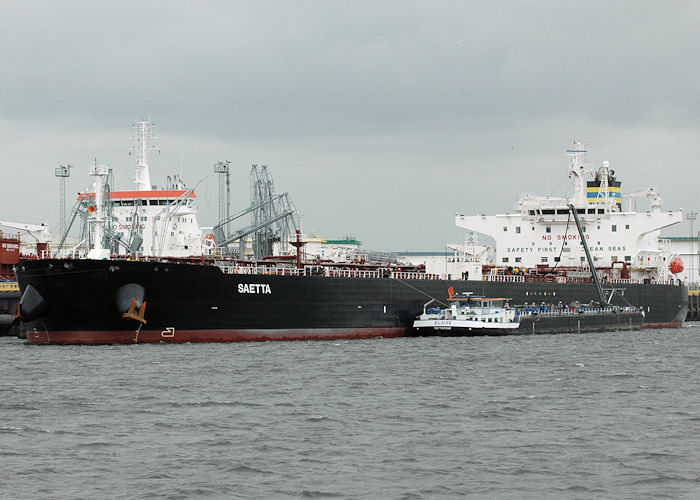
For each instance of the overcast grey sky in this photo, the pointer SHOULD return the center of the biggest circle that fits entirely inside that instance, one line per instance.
(381, 119)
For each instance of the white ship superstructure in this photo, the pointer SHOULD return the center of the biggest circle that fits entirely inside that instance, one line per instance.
(542, 232)
(145, 221)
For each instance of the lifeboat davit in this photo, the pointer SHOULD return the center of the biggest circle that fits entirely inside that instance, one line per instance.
(676, 265)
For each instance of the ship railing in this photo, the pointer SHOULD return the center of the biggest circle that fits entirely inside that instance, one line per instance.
(337, 272)
(264, 270)
(417, 276)
(351, 273)
(582, 311)
(65, 253)
(334, 272)
(509, 278)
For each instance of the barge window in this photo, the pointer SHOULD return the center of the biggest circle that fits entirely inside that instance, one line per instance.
(505, 259)
(517, 229)
(628, 258)
(548, 229)
(614, 228)
(613, 258)
(505, 228)
(518, 259)
(530, 212)
(557, 259)
(627, 226)
(544, 260)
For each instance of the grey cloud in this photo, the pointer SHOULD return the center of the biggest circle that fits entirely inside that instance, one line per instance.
(421, 94)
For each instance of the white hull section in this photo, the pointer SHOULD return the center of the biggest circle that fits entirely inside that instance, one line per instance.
(457, 324)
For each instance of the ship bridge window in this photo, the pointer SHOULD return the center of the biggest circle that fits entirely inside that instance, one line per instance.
(517, 229)
(117, 203)
(548, 229)
(505, 259)
(562, 212)
(505, 228)
(557, 259)
(614, 228)
(544, 260)
(601, 210)
(628, 258)
(128, 203)
(580, 210)
(530, 212)
(627, 226)
(591, 210)
(518, 259)
(548, 211)
(152, 202)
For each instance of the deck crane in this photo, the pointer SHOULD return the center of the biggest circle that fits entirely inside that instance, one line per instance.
(40, 232)
(651, 194)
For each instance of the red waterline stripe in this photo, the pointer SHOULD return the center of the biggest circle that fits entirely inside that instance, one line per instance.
(181, 336)
(675, 324)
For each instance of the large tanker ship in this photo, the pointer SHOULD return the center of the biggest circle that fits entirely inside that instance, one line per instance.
(175, 287)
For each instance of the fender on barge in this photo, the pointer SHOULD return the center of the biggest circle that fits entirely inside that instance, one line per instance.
(84, 301)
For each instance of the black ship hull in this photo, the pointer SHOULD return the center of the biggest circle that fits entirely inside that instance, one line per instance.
(78, 302)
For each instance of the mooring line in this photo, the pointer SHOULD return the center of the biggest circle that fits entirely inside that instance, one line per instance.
(421, 292)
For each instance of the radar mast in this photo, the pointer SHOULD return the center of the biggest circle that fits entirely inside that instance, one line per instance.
(143, 145)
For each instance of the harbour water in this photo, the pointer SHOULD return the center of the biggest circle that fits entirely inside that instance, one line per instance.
(605, 415)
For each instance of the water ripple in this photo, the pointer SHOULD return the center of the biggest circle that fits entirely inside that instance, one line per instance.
(614, 415)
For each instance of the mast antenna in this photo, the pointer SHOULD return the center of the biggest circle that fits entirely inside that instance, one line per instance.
(143, 146)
